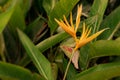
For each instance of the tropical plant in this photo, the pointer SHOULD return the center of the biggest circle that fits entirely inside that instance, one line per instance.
(37, 41)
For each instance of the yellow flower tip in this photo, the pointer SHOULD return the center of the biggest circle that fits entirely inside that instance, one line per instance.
(66, 22)
(66, 27)
(80, 8)
(71, 21)
(76, 48)
(59, 22)
(96, 35)
(88, 33)
(85, 39)
(79, 12)
(69, 28)
(56, 20)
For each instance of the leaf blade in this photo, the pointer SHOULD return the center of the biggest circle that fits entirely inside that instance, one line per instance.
(63, 7)
(13, 71)
(5, 16)
(100, 72)
(104, 48)
(112, 21)
(51, 41)
(42, 64)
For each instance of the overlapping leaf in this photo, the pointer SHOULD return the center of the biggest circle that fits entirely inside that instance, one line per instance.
(94, 20)
(42, 64)
(63, 7)
(100, 72)
(112, 21)
(5, 16)
(14, 72)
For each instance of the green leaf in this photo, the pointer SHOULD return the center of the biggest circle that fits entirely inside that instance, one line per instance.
(98, 7)
(94, 21)
(100, 72)
(112, 21)
(63, 7)
(25, 5)
(84, 57)
(55, 70)
(71, 72)
(97, 10)
(17, 21)
(15, 72)
(42, 64)
(5, 16)
(31, 26)
(98, 49)
(38, 77)
(51, 41)
(104, 48)
(35, 27)
(48, 5)
(46, 44)
(11, 46)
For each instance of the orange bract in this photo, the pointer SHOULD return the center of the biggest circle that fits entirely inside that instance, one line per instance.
(71, 29)
(85, 38)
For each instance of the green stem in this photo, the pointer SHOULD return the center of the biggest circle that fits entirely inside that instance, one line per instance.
(68, 65)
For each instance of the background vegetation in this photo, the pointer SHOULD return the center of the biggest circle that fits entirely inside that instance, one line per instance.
(30, 40)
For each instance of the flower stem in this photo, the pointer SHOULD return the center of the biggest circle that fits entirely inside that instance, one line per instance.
(68, 65)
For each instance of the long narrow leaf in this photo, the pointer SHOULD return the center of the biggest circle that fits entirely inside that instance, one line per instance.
(25, 5)
(98, 8)
(42, 64)
(5, 16)
(17, 21)
(99, 49)
(49, 5)
(63, 7)
(112, 21)
(104, 48)
(47, 43)
(94, 20)
(100, 72)
(14, 72)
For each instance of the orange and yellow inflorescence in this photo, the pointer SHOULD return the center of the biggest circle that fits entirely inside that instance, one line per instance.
(71, 29)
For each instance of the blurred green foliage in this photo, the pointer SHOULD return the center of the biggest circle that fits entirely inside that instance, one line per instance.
(30, 40)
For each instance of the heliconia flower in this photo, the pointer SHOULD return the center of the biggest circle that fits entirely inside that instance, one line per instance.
(70, 28)
(85, 38)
